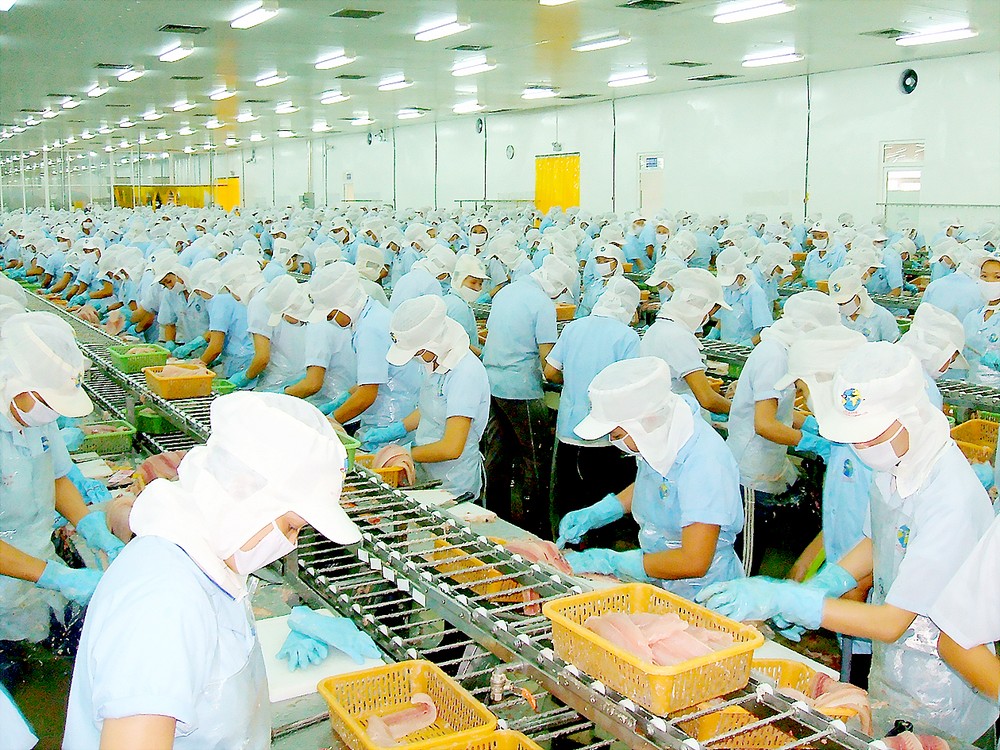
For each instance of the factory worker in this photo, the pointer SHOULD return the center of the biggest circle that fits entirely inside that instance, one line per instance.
(822, 259)
(454, 403)
(762, 421)
(89, 285)
(465, 283)
(749, 311)
(280, 346)
(586, 471)
(774, 266)
(479, 235)
(183, 315)
(506, 262)
(685, 496)
(638, 248)
(928, 510)
(697, 295)
(613, 235)
(945, 256)
(608, 262)
(937, 339)
(421, 280)
(401, 255)
(169, 655)
(372, 269)
(982, 326)
(522, 331)
(41, 370)
(857, 310)
(380, 393)
(958, 293)
(203, 282)
(661, 279)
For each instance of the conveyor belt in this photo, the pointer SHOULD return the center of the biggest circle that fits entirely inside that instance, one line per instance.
(907, 301)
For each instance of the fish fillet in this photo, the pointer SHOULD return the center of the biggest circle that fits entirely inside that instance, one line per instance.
(397, 725)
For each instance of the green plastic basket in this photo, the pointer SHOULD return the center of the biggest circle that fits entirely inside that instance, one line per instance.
(352, 446)
(735, 371)
(148, 421)
(222, 386)
(108, 443)
(132, 363)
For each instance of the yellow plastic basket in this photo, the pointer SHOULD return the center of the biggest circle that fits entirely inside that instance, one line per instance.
(977, 439)
(661, 690)
(197, 384)
(394, 476)
(787, 674)
(481, 577)
(354, 697)
(499, 740)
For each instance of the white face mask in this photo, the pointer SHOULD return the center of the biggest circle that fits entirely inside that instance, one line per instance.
(624, 447)
(604, 269)
(662, 237)
(881, 457)
(478, 239)
(37, 416)
(989, 290)
(849, 308)
(273, 546)
(469, 295)
(820, 244)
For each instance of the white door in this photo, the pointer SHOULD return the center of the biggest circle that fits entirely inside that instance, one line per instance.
(650, 183)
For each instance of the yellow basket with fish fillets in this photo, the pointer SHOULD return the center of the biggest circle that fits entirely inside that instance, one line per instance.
(658, 689)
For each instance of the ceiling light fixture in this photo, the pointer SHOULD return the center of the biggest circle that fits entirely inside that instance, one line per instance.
(631, 78)
(245, 116)
(256, 137)
(189, 149)
(262, 10)
(467, 108)
(185, 130)
(48, 113)
(539, 92)
(775, 57)
(286, 133)
(409, 113)
(232, 141)
(554, 2)
(208, 146)
(69, 103)
(177, 51)
(124, 143)
(214, 124)
(97, 90)
(143, 140)
(285, 108)
(109, 148)
(6, 5)
(335, 60)
(362, 118)
(105, 129)
(151, 115)
(747, 10)
(333, 97)
(132, 74)
(163, 135)
(592, 44)
(320, 126)
(221, 93)
(183, 105)
(472, 66)
(86, 135)
(17, 129)
(441, 30)
(271, 78)
(70, 140)
(394, 83)
(126, 123)
(950, 33)
(31, 121)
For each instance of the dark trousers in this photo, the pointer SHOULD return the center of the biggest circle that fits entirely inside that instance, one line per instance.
(517, 450)
(583, 475)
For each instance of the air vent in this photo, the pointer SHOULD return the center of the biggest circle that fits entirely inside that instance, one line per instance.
(256, 101)
(714, 77)
(186, 78)
(179, 28)
(649, 4)
(203, 114)
(578, 96)
(471, 47)
(31, 111)
(885, 33)
(111, 66)
(58, 96)
(356, 13)
(117, 106)
(350, 77)
(687, 64)
(500, 111)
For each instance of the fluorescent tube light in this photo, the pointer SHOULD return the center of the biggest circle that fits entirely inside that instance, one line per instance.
(335, 60)
(177, 52)
(604, 42)
(952, 33)
(442, 30)
(747, 10)
(263, 10)
(775, 57)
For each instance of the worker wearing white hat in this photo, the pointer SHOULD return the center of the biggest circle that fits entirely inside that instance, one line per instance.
(748, 310)
(41, 370)
(824, 258)
(585, 471)
(230, 344)
(505, 262)
(928, 510)
(454, 403)
(762, 421)
(420, 280)
(661, 279)
(937, 339)
(608, 262)
(685, 497)
(982, 326)
(465, 285)
(774, 267)
(950, 228)
(958, 293)
(858, 311)
(183, 315)
(697, 295)
(373, 269)
(169, 655)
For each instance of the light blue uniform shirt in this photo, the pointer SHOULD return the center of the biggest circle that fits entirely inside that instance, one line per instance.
(956, 293)
(678, 347)
(939, 270)
(846, 489)
(770, 286)
(258, 315)
(878, 325)
(522, 318)
(751, 312)
(329, 346)
(702, 486)
(585, 347)
(227, 315)
(707, 249)
(819, 269)
(981, 336)
(162, 638)
(400, 264)
(463, 391)
(460, 311)
(417, 283)
(190, 316)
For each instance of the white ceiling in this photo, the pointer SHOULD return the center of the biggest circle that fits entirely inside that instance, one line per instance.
(52, 47)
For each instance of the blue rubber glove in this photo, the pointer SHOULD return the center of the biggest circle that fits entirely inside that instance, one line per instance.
(608, 562)
(72, 437)
(911, 288)
(576, 523)
(131, 331)
(93, 527)
(188, 349)
(811, 283)
(811, 425)
(339, 632)
(484, 299)
(720, 417)
(170, 346)
(241, 381)
(76, 584)
(814, 444)
(385, 435)
(80, 299)
(715, 334)
(833, 581)
(762, 598)
(991, 360)
(984, 472)
(331, 406)
(302, 651)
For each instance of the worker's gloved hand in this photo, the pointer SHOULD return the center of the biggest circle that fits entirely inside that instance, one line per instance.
(814, 444)
(991, 360)
(131, 331)
(720, 417)
(331, 406)
(810, 425)
(73, 438)
(811, 283)
(76, 584)
(339, 632)
(833, 580)
(984, 472)
(241, 381)
(764, 598)
(608, 562)
(385, 435)
(93, 527)
(576, 523)
(302, 651)
(484, 299)
(715, 334)
(92, 490)
(188, 349)
(910, 288)
(170, 346)
(80, 299)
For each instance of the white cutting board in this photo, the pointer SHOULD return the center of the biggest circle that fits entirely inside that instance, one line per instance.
(284, 684)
